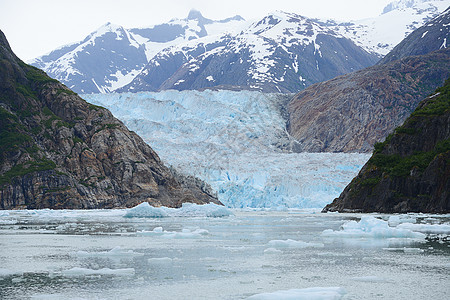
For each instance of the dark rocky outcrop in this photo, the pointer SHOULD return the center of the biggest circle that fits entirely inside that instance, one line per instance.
(351, 113)
(432, 36)
(58, 151)
(410, 170)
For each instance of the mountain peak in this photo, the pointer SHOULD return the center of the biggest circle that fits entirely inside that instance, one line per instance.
(195, 15)
(403, 4)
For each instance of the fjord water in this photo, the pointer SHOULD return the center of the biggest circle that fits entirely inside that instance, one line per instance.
(189, 254)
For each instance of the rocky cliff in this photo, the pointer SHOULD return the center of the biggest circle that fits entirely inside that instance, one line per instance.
(351, 113)
(58, 151)
(410, 170)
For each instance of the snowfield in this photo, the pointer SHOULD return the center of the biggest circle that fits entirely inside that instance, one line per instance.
(237, 142)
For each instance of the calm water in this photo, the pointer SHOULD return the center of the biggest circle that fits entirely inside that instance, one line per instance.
(102, 255)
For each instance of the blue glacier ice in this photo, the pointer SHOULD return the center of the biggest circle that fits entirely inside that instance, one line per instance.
(237, 142)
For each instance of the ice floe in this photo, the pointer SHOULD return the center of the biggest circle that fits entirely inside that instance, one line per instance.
(145, 210)
(293, 244)
(426, 228)
(116, 252)
(373, 228)
(185, 233)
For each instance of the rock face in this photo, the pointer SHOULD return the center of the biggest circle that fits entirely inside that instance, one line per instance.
(434, 35)
(58, 151)
(352, 112)
(410, 170)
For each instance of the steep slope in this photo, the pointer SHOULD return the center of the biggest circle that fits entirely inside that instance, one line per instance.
(58, 151)
(112, 56)
(434, 35)
(410, 170)
(352, 112)
(381, 34)
(108, 58)
(282, 52)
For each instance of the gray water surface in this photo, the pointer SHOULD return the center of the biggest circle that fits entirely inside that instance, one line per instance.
(102, 255)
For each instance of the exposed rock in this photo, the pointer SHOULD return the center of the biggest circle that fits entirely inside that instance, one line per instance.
(352, 112)
(410, 170)
(58, 151)
(432, 36)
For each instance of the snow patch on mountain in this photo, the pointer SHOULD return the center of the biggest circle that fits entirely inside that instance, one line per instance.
(381, 34)
(237, 142)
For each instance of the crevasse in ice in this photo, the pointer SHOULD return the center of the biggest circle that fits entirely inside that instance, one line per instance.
(237, 142)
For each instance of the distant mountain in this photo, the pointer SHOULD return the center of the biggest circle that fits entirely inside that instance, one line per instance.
(112, 56)
(353, 112)
(410, 170)
(381, 34)
(58, 151)
(434, 35)
(282, 52)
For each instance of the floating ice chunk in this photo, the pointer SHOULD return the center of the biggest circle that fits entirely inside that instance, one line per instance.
(184, 234)
(398, 219)
(74, 272)
(160, 260)
(426, 228)
(115, 252)
(315, 293)
(272, 250)
(293, 244)
(145, 210)
(372, 228)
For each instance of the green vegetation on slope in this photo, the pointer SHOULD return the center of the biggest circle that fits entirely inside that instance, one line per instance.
(399, 166)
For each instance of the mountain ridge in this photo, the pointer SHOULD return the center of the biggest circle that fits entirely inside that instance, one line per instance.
(410, 170)
(58, 151)
(141, 48)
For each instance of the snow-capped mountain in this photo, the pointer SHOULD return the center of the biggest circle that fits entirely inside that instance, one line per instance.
(280, 52)
(434, 35)
(399, 18)
(106, 59)
(112, 56)
(283, 52)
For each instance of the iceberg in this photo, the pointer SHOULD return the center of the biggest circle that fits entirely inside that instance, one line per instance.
(145, 210)
(237, 142)
(370, 227)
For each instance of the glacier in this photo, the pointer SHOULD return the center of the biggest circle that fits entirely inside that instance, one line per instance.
(237, 142)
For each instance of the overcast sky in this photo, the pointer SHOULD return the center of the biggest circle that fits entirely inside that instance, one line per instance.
(35, 27)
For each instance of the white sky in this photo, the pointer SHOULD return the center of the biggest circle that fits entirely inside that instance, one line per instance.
(35, 27)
